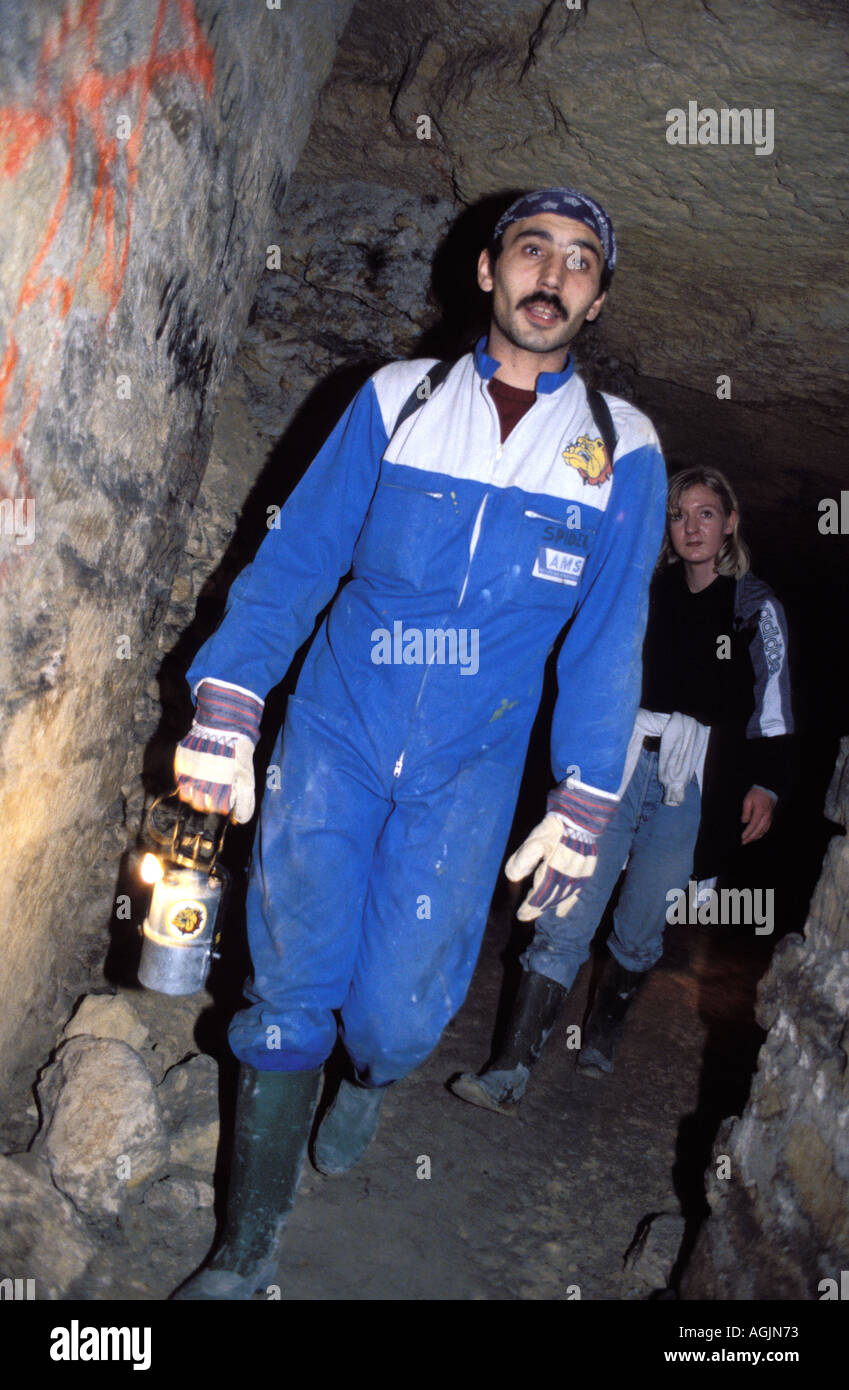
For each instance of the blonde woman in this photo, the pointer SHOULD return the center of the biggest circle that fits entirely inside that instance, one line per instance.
(706, 764)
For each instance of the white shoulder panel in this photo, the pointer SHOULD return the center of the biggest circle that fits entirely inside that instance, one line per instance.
(393, 384)
(635, 430)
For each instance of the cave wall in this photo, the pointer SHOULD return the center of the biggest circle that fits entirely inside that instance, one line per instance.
(144, 157)
(779, 1183)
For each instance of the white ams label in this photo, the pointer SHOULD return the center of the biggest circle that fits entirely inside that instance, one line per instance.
(560, 566)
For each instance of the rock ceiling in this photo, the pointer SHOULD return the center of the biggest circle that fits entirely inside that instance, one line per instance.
(732, 255)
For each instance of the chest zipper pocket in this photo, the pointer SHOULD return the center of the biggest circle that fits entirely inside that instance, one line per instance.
(404, 529)
(550, 568)
(407, 487)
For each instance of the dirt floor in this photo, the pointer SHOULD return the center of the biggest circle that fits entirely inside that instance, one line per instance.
(544, 1204)
(540, 1206)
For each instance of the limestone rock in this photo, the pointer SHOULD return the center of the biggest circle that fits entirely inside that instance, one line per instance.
(837, 796)
(43, 1238)
(178, 1217)
(178, 1198)
(103, 1135)
(353, 284)
(171, 1022)
(648, 1263)
(189, 1099)
(779, 1220)
(107, 1016)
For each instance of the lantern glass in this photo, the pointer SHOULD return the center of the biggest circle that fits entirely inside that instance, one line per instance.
(150, 869)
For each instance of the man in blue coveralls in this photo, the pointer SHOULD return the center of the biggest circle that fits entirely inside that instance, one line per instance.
(474, 531)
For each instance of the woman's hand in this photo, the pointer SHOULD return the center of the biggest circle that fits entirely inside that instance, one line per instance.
(757, 814)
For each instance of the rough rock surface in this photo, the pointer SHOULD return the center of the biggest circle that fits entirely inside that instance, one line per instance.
(107, 1016)
(189, 1100)
(43, 1236)
(779, 1223)
(648, 1265)
(179, 1196)
(171, 1024)
(103, 1135)
(134, 1161)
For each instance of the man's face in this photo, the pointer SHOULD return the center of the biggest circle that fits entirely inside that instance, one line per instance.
(545, 283)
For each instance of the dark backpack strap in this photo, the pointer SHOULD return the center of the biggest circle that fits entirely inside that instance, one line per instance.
(603, 420)
(439, 371)
(417, 396)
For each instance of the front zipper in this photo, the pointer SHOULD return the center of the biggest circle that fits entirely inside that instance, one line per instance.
(408, 487)
(473, 545)
(540, 516)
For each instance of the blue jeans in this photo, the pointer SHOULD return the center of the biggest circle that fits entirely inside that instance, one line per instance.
(660, 840)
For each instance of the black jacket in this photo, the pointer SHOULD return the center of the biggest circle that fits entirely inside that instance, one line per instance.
(721, 656)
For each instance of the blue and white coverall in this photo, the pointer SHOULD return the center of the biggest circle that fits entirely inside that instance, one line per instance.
(403, 745)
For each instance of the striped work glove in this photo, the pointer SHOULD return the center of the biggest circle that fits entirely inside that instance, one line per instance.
(562, 848)
(214, 763)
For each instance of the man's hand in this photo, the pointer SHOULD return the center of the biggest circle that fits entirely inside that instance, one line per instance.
(563, 846)
(564, 862)
(758, 806)
(213, 764)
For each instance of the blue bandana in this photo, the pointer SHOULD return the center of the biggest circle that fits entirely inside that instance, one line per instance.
(564, 202)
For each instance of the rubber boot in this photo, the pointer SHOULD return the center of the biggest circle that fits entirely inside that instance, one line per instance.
(501, 1086)
(348, 1127)
(615, 994)
(274, 1113)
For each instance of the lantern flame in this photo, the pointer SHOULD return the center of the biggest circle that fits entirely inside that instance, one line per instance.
(150, 869)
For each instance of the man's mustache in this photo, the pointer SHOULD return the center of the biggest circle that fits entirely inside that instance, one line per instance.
(551, 300)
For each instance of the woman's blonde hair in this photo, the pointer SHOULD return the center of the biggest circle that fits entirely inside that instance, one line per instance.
(733, 559)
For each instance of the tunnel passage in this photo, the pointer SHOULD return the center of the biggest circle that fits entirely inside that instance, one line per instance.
(195, 364)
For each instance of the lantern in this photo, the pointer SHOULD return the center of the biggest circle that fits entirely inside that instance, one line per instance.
(189, 892)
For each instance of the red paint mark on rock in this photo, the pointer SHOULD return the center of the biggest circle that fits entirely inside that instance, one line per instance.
(74, 98)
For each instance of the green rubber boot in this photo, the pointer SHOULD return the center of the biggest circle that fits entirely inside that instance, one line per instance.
(274, 1112)
(348, 1128)
(501, 1086)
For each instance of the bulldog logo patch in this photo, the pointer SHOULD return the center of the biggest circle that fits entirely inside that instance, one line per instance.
(589, 456)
